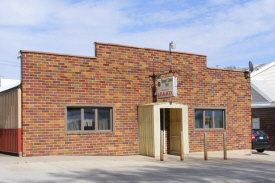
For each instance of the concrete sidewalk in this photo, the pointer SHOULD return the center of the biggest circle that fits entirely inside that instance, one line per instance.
(13, 163)
(247, 168)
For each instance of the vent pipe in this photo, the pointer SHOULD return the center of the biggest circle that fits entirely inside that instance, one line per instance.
(19, 56)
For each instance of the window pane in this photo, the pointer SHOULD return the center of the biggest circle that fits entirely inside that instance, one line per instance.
(198, 119)
(218, 118)
(208, 119)
(89, 118)
(103, 118)
(73, 119)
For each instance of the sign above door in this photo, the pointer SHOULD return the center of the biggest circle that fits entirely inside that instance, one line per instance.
(167, 87)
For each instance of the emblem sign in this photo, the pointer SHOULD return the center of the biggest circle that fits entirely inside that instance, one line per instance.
(167, 87)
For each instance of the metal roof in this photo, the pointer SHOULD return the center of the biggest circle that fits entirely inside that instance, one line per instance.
(7, 84)
(263, 85)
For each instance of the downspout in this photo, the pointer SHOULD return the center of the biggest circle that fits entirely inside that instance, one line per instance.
(20, 130)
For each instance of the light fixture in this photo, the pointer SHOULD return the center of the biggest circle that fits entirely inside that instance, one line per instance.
(172, 45)
(19, 55)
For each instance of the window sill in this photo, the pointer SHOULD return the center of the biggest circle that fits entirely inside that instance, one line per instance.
(89, 133)
(210, 130)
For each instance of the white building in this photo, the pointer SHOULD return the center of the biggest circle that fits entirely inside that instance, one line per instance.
(263, 100)
(263, 86)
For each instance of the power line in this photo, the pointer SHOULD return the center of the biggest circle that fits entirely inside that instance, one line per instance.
(9, 62)
(10, 65)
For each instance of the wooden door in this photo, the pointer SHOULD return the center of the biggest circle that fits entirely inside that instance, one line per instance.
(175, 130)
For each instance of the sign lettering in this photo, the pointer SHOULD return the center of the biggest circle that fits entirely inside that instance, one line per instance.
(167, 87)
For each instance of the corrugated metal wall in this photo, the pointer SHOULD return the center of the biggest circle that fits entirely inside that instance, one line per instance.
(146, 131)
(149, 127)
(10, 121)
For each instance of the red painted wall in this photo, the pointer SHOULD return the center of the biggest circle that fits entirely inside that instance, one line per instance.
(10, 140)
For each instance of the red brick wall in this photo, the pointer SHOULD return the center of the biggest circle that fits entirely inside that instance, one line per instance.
(267, 122)
(120, 76)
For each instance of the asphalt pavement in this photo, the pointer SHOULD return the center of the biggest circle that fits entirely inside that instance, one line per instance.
(257, 167)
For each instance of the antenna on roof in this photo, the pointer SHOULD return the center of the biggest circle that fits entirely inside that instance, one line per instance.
(250, 66)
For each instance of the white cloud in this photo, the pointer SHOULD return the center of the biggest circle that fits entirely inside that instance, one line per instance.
(226, 32)
(23, 13)
(93, 15)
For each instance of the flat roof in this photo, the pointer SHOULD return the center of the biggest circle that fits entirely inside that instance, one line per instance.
(211, 68)
(59, 54)
(112, 44)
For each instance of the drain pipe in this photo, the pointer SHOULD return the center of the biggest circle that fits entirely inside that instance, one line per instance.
(20, 145)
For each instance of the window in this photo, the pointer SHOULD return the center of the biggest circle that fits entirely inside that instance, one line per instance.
(209, 118)
(88, 118)
(255, 123)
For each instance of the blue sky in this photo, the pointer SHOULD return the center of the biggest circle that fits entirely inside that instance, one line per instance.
(229, 32)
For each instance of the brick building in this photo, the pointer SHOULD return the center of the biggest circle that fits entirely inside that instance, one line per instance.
(104, 105)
